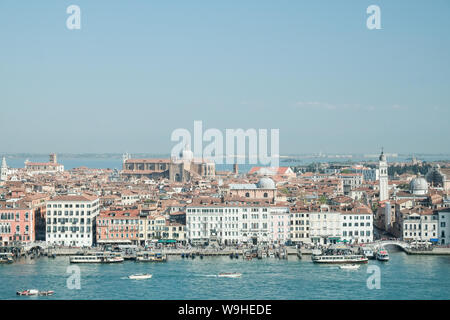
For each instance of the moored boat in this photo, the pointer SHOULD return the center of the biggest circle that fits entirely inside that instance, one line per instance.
(6, 258)
(151, 257)
(34, 292)
(368, 253)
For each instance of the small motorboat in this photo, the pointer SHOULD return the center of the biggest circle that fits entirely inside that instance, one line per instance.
(229, 275)
(34, 292)
(140, 276)
(350, 267)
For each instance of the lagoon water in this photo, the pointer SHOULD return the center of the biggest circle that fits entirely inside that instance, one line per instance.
(403, 277)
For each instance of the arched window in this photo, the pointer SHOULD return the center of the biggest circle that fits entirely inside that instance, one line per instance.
(247, 194)
(266, 194)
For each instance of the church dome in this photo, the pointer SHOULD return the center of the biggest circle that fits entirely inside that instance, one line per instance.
(419, 186)
(266, 183)
(382, 157)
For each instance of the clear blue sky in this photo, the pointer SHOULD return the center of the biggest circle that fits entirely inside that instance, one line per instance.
(137, 70)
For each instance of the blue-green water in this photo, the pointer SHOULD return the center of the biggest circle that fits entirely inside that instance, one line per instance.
(403, 277)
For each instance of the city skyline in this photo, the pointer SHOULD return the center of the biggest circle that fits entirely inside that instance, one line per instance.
(136, 72)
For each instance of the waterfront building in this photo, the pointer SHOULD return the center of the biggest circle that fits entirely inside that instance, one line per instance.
(419, 223)
(383, 180)
(16, 222)
(444, 225)
(325, 225)
(357, 225)
(44, 167)
(156, 228)
(280, 224)
(299, 230)
(71, 220)
(231, 222)
(118, 226)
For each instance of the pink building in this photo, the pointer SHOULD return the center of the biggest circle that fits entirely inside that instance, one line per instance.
(16, 223)
(280, 224)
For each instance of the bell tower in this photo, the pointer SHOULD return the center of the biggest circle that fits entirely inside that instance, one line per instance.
(383, 181)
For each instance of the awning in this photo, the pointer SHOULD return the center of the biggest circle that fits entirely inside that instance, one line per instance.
(167, 241)
(434, 240)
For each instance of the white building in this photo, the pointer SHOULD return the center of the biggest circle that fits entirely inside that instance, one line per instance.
(357, 225)
(299, 230)
(325, 226)
(420, 224)
(369, 174)
(383, 181)
(351, 181)
(444, 226)
(236, 223)
(71, 220)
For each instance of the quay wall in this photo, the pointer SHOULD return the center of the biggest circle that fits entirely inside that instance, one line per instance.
(435, 251)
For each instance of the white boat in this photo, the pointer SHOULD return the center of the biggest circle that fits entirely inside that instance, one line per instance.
(339, 255)
(6, 258)
(382, 255)
(140, 276)
(96, 258)
(368, 253)
(229, 275)
(350, 267)
(35, 292)
(151, 257)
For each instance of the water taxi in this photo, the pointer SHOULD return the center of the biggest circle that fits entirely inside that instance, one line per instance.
(350, 267)
(151, 257)
(382, 255)
(140, 276)
(6, 258)
(34, 292)
(229, 275)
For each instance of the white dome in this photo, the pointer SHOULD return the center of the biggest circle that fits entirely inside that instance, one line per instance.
(419, 186)
(266, 183)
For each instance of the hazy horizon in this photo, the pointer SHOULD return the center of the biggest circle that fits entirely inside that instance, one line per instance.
(136, 71)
